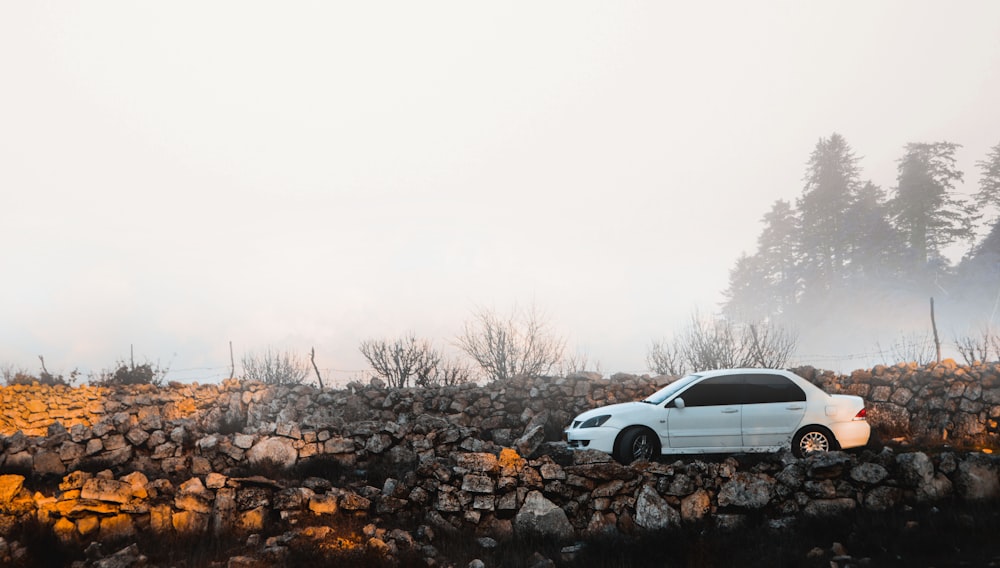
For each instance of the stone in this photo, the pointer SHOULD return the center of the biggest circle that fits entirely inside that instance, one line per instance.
(869, 473)
(884, 498)
(827, 465)
(117, 527)
(192, 502)
(243, 441)
(10, 486)
(539, 517)
(324, 504)
(215, 480)
(477, 484)
(223, 515)
(550, 471)
(652, 512)
(139, 483)
(252, 497)
(88, 525)
(477, 462)
(128, 557)
(819, 508)
(338, 445)
(746, 490)
(189, 522)
(530, 441)
(276, 450)
(108, 490)
(48, 462)
(160, 519)
(353, 502)
(65, 530)
(252, 520)
(696, 507)
(976, 480)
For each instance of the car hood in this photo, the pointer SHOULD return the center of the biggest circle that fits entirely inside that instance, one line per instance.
(615, 409)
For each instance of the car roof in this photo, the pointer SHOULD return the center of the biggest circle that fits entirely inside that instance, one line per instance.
(742, 371)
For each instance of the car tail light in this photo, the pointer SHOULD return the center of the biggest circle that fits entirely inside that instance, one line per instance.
(861, 414)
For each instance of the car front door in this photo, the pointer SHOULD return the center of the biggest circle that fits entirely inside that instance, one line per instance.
(773, 409)
(711, 416)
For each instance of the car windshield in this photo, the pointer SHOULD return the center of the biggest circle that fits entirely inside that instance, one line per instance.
(671, 389)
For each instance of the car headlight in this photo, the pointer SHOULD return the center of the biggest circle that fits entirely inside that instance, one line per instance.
(595, 421)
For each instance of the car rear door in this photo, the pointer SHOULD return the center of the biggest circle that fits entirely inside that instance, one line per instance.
(773, 409)
(710, 417)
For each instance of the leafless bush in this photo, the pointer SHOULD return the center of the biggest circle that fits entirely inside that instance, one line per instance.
(578, 363)
(984, 347)
(274, 368)
(130, 374)
(665, 358)
(14, 374)
(398, 360)
(715, 343)
(768, 346)
(912, 348)
(517, 345)
(17, 375)
(450, 373)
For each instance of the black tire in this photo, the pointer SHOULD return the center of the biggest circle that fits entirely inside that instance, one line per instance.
(813, 439)
(636, 444)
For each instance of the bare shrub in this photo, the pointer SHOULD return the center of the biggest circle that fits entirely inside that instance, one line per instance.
(398, 360)
(578, 363)
(450, 372)
(17, 375)
(665, 358)
(274, 368)
(768, 346)
(519, 344)
(912, 348)
(716, 343)
(130, 374)
(983, 347)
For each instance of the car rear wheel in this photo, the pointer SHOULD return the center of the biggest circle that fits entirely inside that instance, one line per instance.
(812, 439)
(637, 444)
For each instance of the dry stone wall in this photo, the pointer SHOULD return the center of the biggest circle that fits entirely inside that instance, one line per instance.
(188, 459)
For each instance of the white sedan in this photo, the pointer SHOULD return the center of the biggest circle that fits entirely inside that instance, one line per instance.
(731, 410)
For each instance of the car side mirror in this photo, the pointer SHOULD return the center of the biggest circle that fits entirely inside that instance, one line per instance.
(679, 403)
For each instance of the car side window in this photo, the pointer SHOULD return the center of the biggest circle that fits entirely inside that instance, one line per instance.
(717, 391)
(764, 388)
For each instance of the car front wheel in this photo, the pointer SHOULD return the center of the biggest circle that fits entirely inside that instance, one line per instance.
(637, 444)
(812, 439)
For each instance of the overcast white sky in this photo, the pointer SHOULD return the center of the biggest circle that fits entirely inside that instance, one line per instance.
(184, 174)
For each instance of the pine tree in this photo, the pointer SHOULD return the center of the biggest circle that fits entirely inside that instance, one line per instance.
(874, 245)
(765, 284)
(925, 206)
(989, 182)
(831, 181)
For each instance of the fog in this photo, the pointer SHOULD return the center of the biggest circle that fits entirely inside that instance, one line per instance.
(177, 177)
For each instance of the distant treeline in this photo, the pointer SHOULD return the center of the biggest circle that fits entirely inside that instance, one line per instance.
(849, 249)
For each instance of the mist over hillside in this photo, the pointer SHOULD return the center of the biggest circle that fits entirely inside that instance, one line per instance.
(852, 267)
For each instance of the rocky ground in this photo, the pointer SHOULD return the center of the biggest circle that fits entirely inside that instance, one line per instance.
(249, 475)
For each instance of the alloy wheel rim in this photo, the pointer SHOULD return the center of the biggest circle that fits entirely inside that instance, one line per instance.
(641, 447)
(814, 442)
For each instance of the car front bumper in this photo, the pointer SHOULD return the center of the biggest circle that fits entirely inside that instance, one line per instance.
(600, 438)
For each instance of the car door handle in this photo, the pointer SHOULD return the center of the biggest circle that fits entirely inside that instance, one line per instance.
(794, 407)
(730, 410)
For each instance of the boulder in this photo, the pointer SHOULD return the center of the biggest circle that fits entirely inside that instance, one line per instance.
(540, 517)
(10, 486)
(652, 512)
(752, 491)
(277, 450)
(976, 480)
